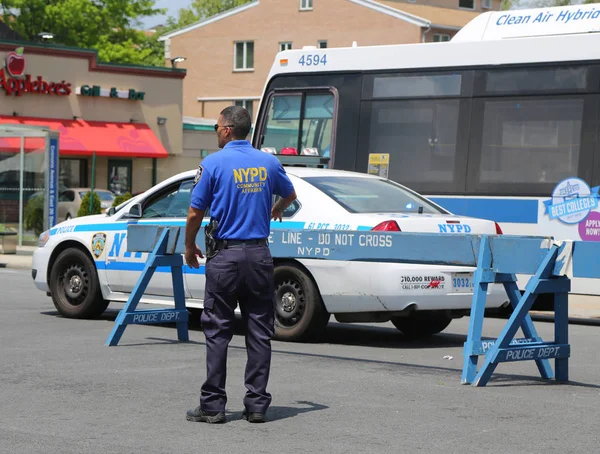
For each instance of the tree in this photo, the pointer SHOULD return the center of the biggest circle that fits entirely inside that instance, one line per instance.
(201, 9)
(121, 198)
(34, 214)
(84, 208)
(112, 27)
(509, 4)
(517, 4)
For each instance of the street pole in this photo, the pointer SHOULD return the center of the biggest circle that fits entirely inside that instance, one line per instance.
(93, 181)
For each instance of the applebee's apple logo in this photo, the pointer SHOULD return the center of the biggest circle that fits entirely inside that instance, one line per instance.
(15, 63)
(15, 82)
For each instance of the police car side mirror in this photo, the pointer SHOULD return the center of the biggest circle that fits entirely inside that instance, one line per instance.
(135, 211)
(111, 211)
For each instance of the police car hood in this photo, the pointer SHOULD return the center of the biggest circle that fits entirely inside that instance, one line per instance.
(83, 220)
(428, 223)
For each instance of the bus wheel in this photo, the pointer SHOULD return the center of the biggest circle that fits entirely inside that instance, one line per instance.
(74, 286)
(421, 326)
(299, 311)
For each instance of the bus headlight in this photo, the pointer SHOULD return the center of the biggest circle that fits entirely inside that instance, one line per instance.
(43, 239)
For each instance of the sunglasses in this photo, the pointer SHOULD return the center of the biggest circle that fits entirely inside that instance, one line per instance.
(224, 126)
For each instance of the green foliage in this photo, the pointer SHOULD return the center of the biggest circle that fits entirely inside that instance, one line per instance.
(121, 198)
(34, 215)
(518, 4)
(4, 229)
(200, 9)
(84, 208)
(110, 26)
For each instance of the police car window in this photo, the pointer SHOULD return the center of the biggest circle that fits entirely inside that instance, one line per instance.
(174, 203)
(291, 210)
(371, 195)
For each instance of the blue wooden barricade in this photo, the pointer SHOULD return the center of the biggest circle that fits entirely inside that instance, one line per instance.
(497, 259)
(162, 247)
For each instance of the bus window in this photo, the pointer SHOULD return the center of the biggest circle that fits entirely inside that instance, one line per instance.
(316, 124)
(283, 123)
(530, 141)
(299, 124)
(420, 137)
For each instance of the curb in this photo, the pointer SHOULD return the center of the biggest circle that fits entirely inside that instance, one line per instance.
(575, 320)
(16, 266)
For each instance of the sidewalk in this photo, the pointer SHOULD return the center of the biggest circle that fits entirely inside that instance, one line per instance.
(582, 308)
(20, 260)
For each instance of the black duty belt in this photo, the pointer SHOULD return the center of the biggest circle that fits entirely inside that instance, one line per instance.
(226, 244)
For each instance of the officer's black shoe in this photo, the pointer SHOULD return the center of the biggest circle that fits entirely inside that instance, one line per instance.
(199, 415)
(253, 417)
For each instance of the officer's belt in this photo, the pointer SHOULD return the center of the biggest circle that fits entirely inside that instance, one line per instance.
(226, 244)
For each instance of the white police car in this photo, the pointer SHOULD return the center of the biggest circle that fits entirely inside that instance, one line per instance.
(84, 263)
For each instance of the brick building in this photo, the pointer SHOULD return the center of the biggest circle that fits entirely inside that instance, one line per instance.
(228, 56)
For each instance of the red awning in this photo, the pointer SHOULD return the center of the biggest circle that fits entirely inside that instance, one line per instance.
(79, 137)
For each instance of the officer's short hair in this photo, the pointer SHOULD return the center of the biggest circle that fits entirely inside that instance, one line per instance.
(239, 118)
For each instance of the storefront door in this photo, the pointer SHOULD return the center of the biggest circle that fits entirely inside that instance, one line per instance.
(119, 176)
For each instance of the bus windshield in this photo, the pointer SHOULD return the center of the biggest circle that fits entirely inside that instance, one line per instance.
(372, 195)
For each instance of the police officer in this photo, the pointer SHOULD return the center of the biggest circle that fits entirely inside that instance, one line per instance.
(238, 184)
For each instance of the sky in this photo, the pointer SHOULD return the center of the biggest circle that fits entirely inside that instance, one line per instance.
(173, 6)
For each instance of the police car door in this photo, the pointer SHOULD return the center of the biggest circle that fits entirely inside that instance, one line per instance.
(166, 207)
(195, 277)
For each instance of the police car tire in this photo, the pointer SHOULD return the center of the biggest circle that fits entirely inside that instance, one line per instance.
(290, 278)
(77, 263)
(419, 327)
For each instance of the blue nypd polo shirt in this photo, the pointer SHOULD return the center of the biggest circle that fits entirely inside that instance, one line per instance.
(238, 184)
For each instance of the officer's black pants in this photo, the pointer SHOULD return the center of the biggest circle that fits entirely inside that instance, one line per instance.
(241, 274)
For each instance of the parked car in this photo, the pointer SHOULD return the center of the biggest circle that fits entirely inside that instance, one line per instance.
(69, 201)
(84, 263)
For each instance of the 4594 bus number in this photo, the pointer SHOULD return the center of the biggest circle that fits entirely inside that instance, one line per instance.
(313, 60)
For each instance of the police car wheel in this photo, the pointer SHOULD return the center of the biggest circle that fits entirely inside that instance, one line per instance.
(421, 326)
(299, 312)
(74, 286)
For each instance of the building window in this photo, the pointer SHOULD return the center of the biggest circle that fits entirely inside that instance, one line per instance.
(244, 55)
(440, 37)
(285, 46)
(322, 44)
(306, 5)
(468, 4)
(487, 4)
(167, 48)
(246, 104)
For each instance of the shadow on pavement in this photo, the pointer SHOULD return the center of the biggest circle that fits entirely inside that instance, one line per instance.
(359, 335)
(350, 334)
(276, 413)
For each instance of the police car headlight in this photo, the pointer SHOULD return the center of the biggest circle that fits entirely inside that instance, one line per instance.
(43, 239)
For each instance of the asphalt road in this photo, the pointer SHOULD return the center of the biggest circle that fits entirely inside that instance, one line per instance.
(364, 388)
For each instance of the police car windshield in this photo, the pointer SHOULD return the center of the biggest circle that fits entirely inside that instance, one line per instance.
(372, 195)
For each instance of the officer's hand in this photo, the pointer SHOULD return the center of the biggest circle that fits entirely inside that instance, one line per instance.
(276, 214)
(190, 256)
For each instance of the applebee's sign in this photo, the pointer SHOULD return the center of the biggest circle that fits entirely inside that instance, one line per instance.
(14, 81)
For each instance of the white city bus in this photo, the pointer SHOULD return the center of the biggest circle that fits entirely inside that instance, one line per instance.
(501, 123)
